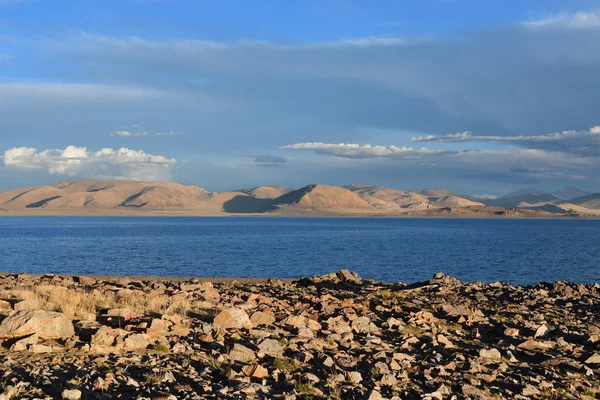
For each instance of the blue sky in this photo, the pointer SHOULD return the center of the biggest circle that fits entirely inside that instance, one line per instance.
(482, 97)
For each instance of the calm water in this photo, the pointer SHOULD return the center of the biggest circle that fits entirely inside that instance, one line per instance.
(408, 250)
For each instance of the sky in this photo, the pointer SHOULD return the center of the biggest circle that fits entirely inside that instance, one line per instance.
(482, 97)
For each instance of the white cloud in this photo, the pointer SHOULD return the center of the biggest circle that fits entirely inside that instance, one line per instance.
(578, 20)
(126, 133)
(352, 150)
(79, 161)
(469, 137)
(586, 142)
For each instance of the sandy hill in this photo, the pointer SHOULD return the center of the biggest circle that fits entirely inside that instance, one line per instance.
(266, 192)
(387, 199)
(453, 201)
(591, 201)
(402, 200)
(115, 197)
(525, 200)
(106, 195)
(323, 198)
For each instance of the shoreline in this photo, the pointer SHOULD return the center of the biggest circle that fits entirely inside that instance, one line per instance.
(158, 214)
(322, 337)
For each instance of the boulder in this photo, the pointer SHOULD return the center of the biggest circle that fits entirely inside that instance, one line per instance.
(71, 394)
(346, 276)
(255, 371)
(595, 359)
(338, 325)
(233, 318)
(262, 318)
(136, 341)
(241, 353)
(270, 347)
(124, 314)
(47, 325)
(491, 354)
(23, 344)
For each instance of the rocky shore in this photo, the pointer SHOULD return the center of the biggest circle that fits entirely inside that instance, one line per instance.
(327, 337)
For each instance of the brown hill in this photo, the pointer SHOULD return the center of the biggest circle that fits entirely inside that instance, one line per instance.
(323, 198)
(591, 201)
(453, 201)
(116, 197)
(106, 195)
(402, 200)
(387, 199)
(266, 192)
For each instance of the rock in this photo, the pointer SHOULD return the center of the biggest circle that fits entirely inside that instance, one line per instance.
(196, 286)
(594, 359)
(362, 325)
(159, 327)
(241, 353)
(306, 333)
(530, 391)
(5, 305)
(212, 296)
(346, 276)
(27, 305)
(374, 395)
(84, 280)
(23, 344)
(255, 371)
(233, 318)
(296, 321)
(106, 336)
(270, 347)
(47, 325)
(534, 345)
(354, 377)
(511, 332)
(261, 318)
(541, 331)
(125, 314)
(444, 341)
(491, 354)
(136, 341)
(71, 394)
(338, 325)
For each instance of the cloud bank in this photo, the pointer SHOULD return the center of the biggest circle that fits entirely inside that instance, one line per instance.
(126, 133)
(353, 150)
(79, 161)
(584, 143)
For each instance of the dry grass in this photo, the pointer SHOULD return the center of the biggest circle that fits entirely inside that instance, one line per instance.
(80, 304)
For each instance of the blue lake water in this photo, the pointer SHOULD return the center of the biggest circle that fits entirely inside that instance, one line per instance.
(521, 251)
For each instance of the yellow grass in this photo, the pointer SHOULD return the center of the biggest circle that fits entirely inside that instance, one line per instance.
(81, 304)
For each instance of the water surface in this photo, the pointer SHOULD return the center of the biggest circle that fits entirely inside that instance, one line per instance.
(522, 251)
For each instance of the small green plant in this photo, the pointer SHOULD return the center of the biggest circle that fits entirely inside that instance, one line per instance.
(306, 389)
(161, 348)
(286, 365)
(376, 376)
(384, 294)
(153, 379)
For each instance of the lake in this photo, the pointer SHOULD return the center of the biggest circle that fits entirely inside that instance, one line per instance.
(521, 251)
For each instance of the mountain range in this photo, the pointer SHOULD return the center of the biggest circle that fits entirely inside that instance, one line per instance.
(108, 197)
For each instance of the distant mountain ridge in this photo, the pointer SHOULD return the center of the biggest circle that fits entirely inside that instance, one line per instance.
(122, 196)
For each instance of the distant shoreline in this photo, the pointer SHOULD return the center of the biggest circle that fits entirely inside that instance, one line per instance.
(455, 213)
